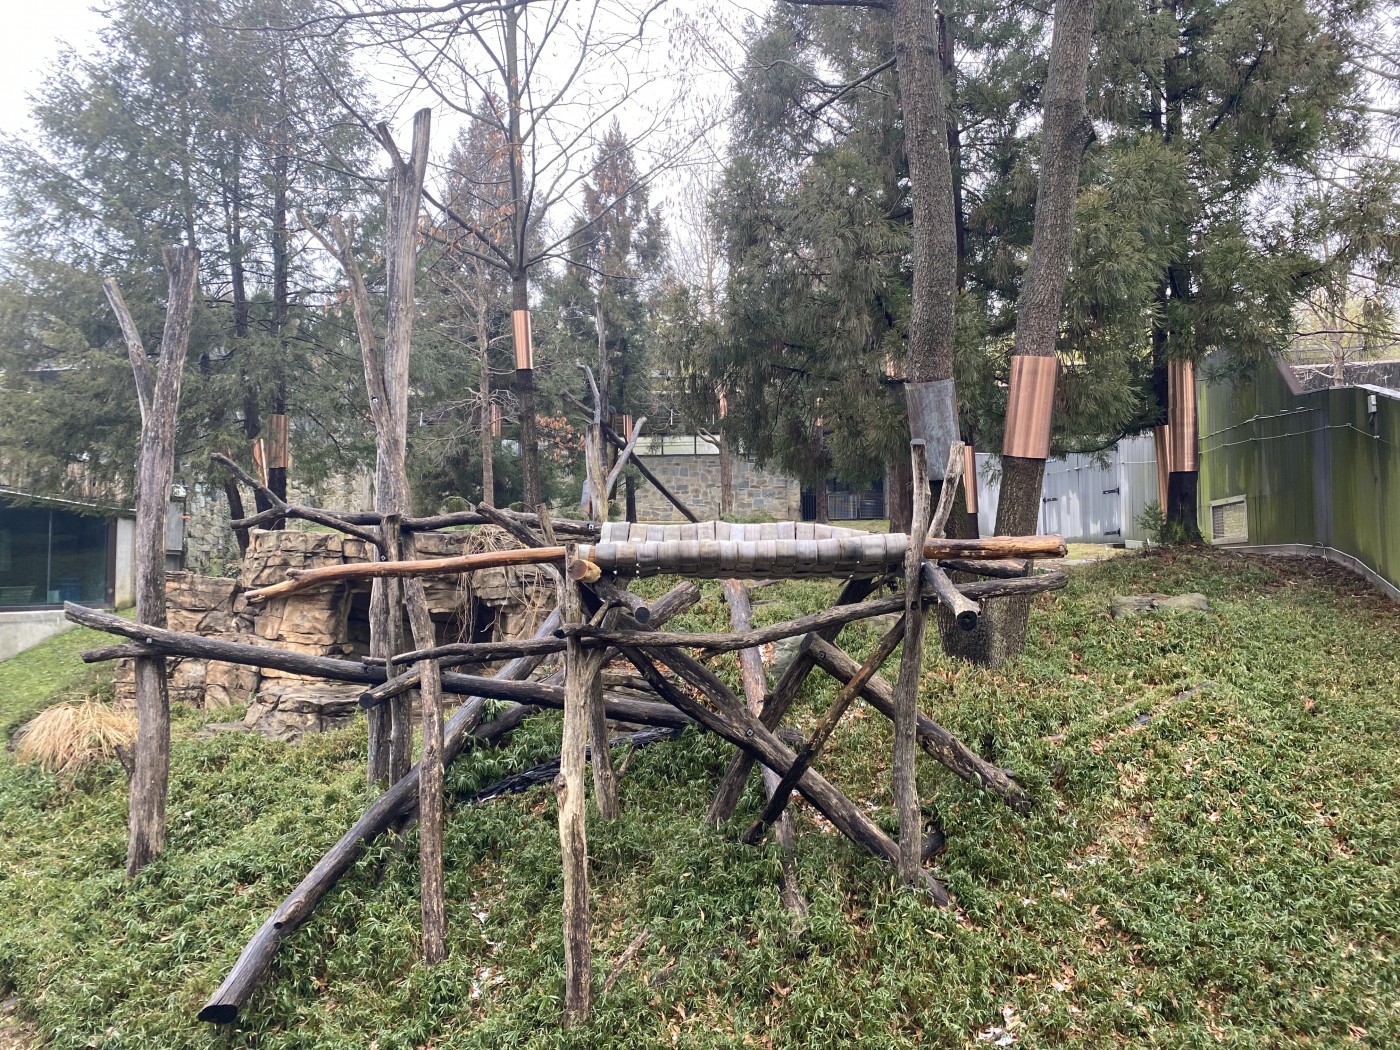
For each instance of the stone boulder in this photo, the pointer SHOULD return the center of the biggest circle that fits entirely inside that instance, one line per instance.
(1129, 605)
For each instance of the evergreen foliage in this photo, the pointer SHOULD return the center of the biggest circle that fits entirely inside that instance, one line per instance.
(189, 122)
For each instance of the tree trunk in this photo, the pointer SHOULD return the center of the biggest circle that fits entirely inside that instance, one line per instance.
(581, 674)
(488, 423)
(934, 253)
(151, 769)
(1066, 133)
(519, 286)
(525, 392)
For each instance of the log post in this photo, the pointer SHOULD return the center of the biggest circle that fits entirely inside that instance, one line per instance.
(906, 710)
(573, 835)
(160, 406)
(755, 683)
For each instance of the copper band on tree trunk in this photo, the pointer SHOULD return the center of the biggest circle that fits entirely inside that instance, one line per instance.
(524, 344)
(933, 419)
(1029, 406)
(495, 420)
(278, 452)
(970, 478)
(1181, 416)
(1162, 445)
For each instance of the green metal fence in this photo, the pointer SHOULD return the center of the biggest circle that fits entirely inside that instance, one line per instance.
(1294, 471)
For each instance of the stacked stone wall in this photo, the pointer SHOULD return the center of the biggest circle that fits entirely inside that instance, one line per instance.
(326, 621)
(695, 480)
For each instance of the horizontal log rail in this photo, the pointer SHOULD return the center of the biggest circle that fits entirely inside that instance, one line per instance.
(698, 558)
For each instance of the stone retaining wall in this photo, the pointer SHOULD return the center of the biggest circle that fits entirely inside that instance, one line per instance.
(695, 480)
(326, 621)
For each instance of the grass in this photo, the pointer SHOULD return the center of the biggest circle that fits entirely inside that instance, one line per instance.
(68, 737)
(1212, 862)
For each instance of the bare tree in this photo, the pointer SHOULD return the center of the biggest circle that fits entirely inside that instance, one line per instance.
(159, 396)
(563, 70)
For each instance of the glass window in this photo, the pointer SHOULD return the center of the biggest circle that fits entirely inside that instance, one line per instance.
(24, 555)
(51, 556)
(77, 559)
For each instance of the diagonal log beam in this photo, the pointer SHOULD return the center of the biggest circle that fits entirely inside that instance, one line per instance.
(755, 682)
(733, 721)
(807, 754)
(937, 742)
(776, 705)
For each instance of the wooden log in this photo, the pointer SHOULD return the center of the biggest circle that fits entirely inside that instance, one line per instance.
(947, 491)
(807, 754)
(776, 704)
(178, 643)
(755, 682)
(392, 807)
(287, 510)
(159, 397)
(580, 670)
(963, 609)
(684, 557)
(906, 693)
(647, 473)
(511, 524)
(833, 619)
(604, 776)
(300, 580)
(733, 722)
(1002, 568)
(937, 742)
(610, 485)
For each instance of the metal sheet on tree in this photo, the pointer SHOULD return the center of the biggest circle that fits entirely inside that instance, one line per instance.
(933, 419)
(1028, 409)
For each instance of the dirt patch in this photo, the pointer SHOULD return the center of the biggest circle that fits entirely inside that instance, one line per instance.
(14, 1033)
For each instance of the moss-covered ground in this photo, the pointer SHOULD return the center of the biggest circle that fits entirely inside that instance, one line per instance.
(1213, 860)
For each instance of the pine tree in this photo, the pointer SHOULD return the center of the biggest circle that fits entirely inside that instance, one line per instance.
(185, 125)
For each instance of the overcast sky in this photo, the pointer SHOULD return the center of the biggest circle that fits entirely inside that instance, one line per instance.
(34, 31)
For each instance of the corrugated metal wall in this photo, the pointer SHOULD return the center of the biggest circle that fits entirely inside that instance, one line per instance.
(1085, 499)
(1317, 469)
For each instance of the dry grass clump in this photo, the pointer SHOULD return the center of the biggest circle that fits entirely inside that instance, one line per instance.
(67, 737)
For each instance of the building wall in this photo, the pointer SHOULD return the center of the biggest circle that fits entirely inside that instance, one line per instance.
(125, 571)
(1085, 499)
(695, 480)
(25, 629)
(1319, 471)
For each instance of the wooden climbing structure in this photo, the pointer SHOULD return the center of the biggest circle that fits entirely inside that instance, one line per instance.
(597, 622)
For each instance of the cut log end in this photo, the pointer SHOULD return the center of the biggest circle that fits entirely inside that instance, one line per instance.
(584, 571)
(219, 1013)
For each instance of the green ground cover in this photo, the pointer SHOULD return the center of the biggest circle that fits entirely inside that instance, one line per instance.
(1212, 861)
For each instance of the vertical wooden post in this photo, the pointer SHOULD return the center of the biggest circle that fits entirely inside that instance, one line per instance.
(432, 893)
(906, 694)
(160, 404)
(579, 670)
(386, 384)
(597, 489)
(755, 681)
